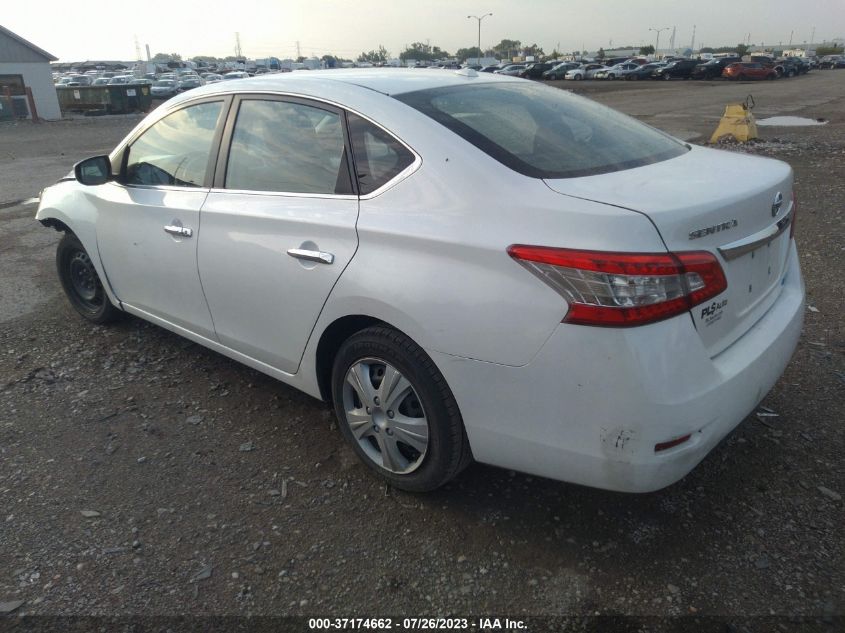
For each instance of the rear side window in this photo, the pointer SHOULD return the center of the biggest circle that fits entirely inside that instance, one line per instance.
(288, 147)
(175, 150)
(544, 132)
(378, 156)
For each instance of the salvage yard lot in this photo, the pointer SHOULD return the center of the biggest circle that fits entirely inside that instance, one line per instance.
(140, 473)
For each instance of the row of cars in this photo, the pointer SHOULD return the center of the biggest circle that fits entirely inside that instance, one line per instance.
(728, 67)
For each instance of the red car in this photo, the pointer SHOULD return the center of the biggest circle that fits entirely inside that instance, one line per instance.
(749, 70)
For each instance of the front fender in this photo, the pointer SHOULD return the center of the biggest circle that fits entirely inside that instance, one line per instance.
(68, 205)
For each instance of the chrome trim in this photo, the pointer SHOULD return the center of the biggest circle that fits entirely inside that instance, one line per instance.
(179, 231)
(312, 256)
(753, 242)
(287, 194)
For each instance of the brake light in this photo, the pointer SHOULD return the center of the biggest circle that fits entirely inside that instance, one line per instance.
(624, 289)
(794, 215)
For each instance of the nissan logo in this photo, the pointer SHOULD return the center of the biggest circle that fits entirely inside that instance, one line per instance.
(777, 203)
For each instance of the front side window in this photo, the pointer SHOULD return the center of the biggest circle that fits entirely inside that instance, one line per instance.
(544, 132)
(287, 147)
(176, 149)
(378, 156)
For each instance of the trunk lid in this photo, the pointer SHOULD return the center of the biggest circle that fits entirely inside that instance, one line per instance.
(718, 201)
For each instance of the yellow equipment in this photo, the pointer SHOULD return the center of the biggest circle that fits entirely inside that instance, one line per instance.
(737, 122)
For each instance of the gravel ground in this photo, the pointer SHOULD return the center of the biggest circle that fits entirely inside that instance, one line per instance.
(142, 474)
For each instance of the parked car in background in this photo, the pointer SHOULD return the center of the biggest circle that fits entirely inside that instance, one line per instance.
(676, 69)
(616, 72)
(75, 80)
(559, 71)
(587, 71)
(164, 89)
(119, 80)
(636, 309)
(742, 71)
(189, 83)
(646, 71)
(791, 66)
(535, 70)
(237, 74)
(491, 68)
(830, 61)
(512, 70)
(712, 69)
(211, 78)
(100, 81)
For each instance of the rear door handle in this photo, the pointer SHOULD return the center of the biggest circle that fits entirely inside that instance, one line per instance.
(181, 231)
(312, 256)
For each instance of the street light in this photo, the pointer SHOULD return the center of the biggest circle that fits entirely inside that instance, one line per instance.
(486, 15)
(657, 41)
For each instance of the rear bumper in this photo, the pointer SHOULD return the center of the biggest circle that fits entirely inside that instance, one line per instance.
(590, 407)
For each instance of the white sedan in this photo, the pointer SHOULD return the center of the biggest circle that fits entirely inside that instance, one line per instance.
(587, 71)
(468, 266)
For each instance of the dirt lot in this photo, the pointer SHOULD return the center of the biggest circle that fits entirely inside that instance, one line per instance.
(142, 474)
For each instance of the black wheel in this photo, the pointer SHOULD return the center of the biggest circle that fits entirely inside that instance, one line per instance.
(81, 283)
(396, 410)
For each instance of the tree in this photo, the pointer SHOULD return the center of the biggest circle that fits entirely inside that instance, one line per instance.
(375, 57)
(741, 49)
(707, 49)
(472, 52)
(422, 52)
(647, 50)
(534, 50)
(821, 51)
(330, 61)
(164, 57)
(507, 48)
(601, 54)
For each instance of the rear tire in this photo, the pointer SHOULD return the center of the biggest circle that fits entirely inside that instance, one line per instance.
(81, 282)
(409, 430)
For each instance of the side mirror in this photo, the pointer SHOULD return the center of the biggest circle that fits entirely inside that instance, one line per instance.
(93, 171)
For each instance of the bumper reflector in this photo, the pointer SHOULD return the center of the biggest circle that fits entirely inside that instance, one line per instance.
(662, 446)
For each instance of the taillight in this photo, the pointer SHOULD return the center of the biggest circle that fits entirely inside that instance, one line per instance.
(794, 215)
(624, 289)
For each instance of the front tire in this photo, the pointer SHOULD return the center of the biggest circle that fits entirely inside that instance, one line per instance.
(397, 412)
(81, 283)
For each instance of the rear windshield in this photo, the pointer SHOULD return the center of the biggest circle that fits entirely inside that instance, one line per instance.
(544, 132)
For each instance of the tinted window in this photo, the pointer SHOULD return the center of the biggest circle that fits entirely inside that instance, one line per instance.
(175, 150)
(290, 147)
(544, 132)
(378, 156)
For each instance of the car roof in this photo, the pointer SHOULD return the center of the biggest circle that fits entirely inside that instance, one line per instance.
(387, 81)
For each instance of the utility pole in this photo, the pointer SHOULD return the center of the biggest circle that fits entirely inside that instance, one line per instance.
(692, 44)
(138, 50)
(238, 45)
(813, 37)
(672, 41)
(790, 37)
(486, 15)
(147, 46)
(298, 53)
(657, 42)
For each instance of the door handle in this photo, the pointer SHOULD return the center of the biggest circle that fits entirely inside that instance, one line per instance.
(312, 256)
(181, 231)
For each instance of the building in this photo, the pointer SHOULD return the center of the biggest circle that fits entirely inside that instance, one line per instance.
(24, 65)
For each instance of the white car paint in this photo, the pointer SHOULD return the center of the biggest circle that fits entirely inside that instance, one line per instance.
(427, 255)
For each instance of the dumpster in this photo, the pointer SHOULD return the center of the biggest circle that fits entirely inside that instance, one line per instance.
(126, 98)
(119, 99)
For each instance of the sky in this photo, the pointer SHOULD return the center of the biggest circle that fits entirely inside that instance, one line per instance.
(97, 29)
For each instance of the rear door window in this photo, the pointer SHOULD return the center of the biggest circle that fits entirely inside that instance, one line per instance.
(289, 147)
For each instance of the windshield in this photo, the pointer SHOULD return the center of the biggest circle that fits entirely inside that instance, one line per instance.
(544, 132)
